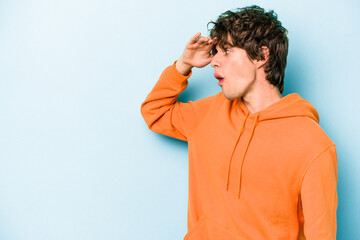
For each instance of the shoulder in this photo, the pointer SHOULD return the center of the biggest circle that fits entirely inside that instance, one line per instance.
(310, 137)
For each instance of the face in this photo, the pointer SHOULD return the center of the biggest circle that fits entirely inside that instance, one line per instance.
(234, 69)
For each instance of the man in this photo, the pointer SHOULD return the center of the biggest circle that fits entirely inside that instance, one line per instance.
(260, 166)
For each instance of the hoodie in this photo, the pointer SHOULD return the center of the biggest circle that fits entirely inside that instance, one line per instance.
(256, 176)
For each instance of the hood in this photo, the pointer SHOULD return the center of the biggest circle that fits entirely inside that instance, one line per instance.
(291, 105)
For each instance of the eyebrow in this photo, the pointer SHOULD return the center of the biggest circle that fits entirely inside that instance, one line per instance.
(227, 45)
(223, 45)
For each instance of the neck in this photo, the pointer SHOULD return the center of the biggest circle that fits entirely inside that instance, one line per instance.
(258, 100)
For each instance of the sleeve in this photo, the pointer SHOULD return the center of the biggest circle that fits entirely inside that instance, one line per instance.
(319, 197)
(164, 114)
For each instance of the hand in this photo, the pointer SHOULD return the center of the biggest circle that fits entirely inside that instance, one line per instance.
(196, 53)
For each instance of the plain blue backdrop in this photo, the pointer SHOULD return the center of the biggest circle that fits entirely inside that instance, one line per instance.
(77, 161)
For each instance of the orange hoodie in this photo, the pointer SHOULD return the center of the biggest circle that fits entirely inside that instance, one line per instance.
(254, 176)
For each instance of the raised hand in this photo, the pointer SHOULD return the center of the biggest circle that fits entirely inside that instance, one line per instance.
(196, 53)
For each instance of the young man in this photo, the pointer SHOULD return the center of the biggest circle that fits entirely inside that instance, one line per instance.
(260, 166)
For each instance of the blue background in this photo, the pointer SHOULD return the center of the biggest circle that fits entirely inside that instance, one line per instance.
(77, 161)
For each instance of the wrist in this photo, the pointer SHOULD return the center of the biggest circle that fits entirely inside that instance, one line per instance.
(182, 67)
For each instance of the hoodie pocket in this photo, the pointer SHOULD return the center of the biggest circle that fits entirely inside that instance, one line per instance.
(208, 229)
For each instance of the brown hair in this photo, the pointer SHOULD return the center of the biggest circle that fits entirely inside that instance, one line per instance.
(250, 28)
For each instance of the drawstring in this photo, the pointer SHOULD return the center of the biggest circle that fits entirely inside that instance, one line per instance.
(247, 146)
(242, 130)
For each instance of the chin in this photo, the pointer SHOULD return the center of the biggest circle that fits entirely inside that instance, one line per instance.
(231, 97)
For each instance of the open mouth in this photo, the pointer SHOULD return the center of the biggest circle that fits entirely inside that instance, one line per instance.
(218, 77)
(221, 81)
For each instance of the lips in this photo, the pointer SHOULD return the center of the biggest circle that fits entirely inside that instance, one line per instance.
(220, 78)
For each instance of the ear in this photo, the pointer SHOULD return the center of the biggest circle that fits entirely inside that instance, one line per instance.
(261, 62)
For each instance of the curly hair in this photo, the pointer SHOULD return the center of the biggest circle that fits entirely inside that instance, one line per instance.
(251, 28)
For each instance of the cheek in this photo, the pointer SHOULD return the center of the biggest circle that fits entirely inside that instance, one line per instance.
(241, 71)
(248, 70)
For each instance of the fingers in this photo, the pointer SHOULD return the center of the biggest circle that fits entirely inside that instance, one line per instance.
(197, 38)
(214, 40)
(194, 38)
(203, 40)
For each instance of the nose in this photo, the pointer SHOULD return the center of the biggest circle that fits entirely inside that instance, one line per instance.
(215, 61)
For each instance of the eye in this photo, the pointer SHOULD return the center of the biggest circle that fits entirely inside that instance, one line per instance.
(227, 51)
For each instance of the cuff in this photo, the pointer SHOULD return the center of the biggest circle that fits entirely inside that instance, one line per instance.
(175, 78)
